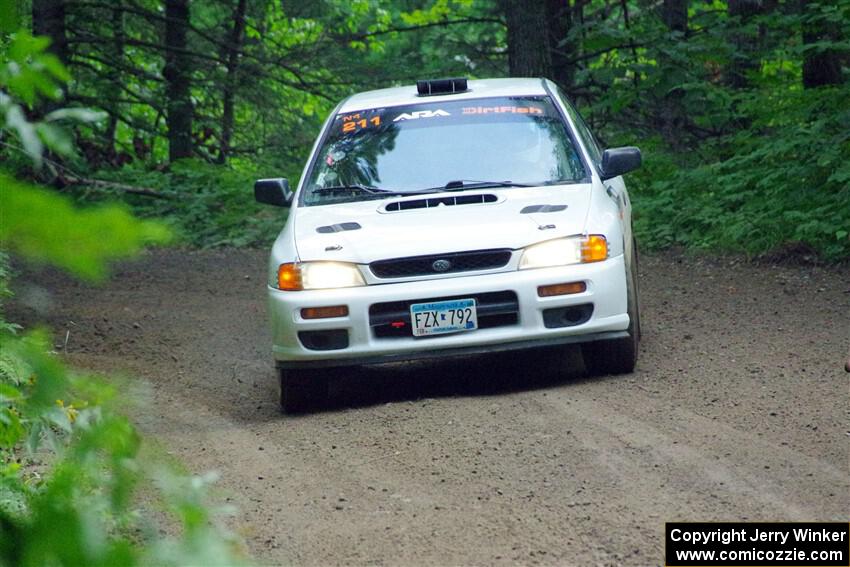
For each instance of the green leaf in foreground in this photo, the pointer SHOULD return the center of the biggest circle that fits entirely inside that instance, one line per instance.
(45, 227)
(85, 490)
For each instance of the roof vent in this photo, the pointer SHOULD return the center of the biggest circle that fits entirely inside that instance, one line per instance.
(432, 87)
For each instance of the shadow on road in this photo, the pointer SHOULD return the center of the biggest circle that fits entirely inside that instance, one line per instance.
(250, 395)
(482, 375)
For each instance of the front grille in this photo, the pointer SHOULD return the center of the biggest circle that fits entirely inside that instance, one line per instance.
(391, 320)
(456, 262)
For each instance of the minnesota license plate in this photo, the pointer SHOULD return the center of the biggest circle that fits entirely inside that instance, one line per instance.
(442, 317)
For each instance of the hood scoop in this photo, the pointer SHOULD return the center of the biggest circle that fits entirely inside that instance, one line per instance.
(343, 226)
(542, 209)
(477, 199)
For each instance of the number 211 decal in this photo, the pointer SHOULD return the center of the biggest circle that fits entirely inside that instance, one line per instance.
(354, 123)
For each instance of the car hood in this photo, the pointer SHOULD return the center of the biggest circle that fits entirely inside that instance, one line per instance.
(518, 217)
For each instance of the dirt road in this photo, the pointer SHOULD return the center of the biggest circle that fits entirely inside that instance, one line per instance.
(738, 411)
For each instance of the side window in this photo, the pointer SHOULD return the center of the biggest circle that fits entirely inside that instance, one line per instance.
(584, 132)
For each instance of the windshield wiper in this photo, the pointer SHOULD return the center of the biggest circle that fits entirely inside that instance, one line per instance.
(357, 187)
(368, 190)
(465, 184)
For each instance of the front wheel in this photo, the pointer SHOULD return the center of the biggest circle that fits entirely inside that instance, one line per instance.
(618, 356)
(301, 390)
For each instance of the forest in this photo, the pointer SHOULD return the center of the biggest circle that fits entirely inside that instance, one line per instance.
(740, 107)
(131, 123)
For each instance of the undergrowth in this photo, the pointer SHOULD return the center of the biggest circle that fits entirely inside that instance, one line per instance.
(205, 205)
(783, 181)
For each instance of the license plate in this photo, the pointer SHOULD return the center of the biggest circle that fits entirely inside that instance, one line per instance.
(442, 317)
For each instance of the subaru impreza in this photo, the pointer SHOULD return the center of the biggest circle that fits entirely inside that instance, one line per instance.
(450, 218)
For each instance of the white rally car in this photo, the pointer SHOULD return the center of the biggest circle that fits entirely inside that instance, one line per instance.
(447, 218)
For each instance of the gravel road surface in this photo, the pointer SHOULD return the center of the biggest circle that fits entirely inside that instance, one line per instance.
(738, 411)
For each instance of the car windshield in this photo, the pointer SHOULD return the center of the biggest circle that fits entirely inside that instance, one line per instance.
(505, 141)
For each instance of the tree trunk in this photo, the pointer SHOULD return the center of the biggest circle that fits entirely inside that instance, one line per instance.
(746, 42)
(624, 4)
(112, 105)
(559, 16)
(48, 18)
(823, 66)
(672, 117)
(177, 74)
(230, 82)
(675, 15)
(528, 41)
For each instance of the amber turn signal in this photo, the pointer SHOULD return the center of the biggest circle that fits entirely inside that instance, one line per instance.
(289, 277)
(561, 289)
(594, 249)
(324, 312)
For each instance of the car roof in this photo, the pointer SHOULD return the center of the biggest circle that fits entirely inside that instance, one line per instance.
(401, 96)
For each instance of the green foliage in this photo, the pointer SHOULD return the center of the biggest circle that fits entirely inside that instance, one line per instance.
(73, 469)
(744, 167)
(46, 227)
(40, 224)
(71, 498)
(738, 157)
(207, 205)
(27, 73)
(5, 293)
(786, 180)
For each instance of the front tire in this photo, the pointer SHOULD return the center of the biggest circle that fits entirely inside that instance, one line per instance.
(618, 356)
(301, 390)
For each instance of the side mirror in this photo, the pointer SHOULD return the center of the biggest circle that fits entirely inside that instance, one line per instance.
(618, 161)
(274, 191)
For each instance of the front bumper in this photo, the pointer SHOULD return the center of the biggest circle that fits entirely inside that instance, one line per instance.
(606, 291)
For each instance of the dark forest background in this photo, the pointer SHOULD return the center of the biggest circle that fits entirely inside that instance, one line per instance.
(741, 107)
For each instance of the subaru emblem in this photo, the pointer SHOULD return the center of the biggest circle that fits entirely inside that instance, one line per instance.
(441, 265)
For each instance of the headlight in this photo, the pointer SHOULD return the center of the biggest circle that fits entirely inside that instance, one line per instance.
(318, 275)
(564, 251)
